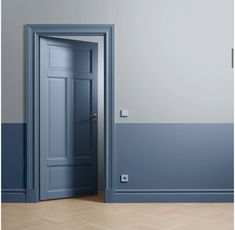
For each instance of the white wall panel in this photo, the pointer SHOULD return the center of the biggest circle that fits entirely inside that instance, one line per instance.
(173, 58)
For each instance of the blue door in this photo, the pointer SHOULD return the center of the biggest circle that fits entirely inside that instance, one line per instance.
(68, 118)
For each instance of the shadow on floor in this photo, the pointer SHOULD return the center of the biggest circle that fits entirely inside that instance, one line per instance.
(94, 198)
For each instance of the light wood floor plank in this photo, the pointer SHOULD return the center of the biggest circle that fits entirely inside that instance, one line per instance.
(90, 213)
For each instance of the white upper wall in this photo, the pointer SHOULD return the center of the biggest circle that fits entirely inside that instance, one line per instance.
(173, 58)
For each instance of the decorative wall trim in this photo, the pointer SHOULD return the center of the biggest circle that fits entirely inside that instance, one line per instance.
(149, 191)
(13, 195)
(123, 197)
(31, 195)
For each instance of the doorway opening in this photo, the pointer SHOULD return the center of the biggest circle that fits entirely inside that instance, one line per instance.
(46, 107)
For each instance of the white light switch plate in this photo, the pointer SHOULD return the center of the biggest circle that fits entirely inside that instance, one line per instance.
(124, 113)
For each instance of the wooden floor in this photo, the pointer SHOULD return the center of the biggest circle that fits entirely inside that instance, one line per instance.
(91, 213)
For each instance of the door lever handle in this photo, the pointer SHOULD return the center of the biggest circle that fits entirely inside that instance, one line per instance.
(93, 117)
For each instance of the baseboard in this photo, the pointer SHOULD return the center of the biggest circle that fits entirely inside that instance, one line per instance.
(13, 195)
(136, 197)
(19, 196)
(31, 196)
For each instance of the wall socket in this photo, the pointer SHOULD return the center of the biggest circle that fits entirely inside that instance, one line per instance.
(124, 178)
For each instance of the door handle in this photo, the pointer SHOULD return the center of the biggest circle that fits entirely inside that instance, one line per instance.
(93, 117)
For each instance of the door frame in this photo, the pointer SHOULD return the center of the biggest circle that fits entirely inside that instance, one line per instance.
(32, 35)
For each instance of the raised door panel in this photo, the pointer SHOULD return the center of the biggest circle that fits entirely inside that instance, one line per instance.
(82, 112)
(56, 117)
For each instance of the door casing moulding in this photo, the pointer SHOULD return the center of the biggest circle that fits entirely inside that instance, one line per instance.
(32, 35)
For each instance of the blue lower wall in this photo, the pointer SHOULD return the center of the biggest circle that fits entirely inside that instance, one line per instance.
(165, 162)
(13, 162)
(171, 161)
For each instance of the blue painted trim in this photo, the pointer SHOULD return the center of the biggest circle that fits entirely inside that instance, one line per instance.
(114, 197)
(149, 191)
(13, 195)
(31, 196)
(32, 34)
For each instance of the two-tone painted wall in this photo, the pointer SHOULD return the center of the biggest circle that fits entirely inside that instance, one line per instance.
(172, 73)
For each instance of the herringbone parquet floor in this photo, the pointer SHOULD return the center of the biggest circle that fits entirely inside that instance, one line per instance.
(91, 213)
